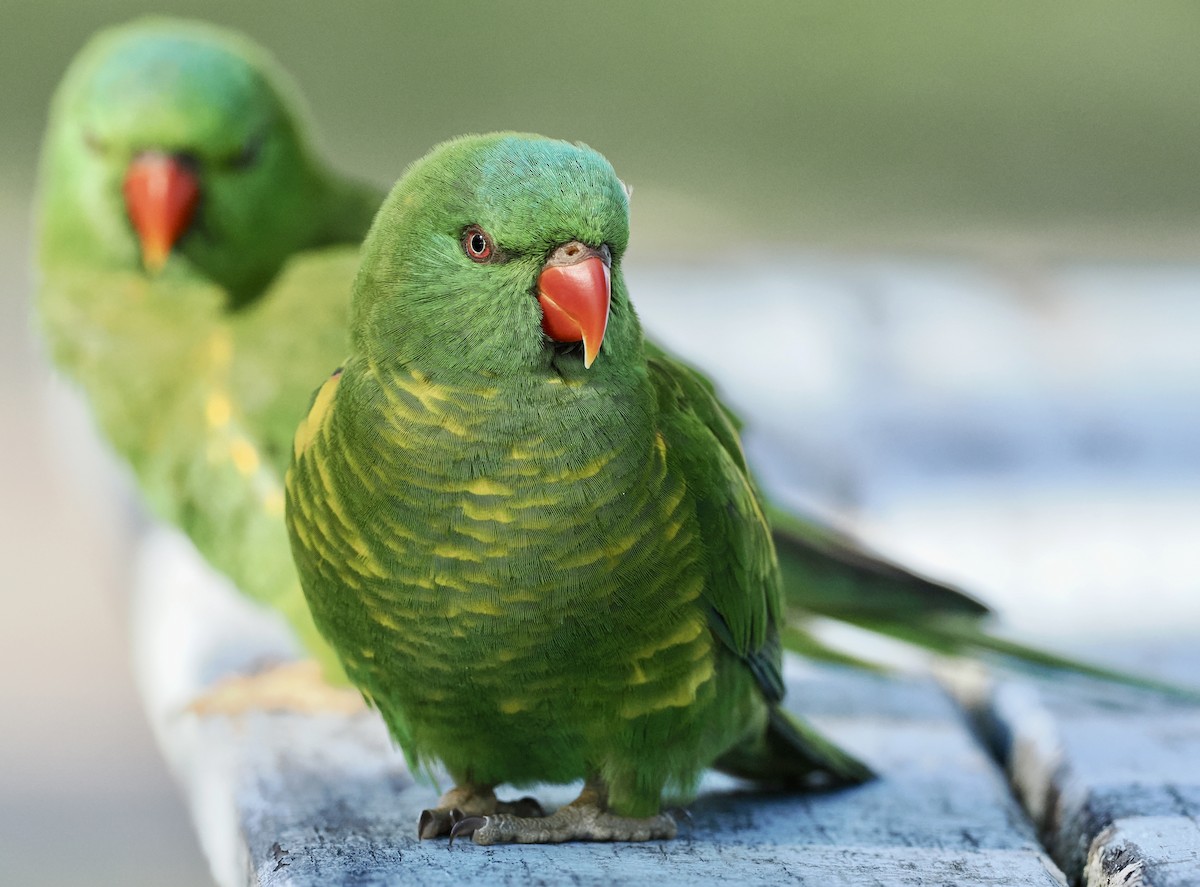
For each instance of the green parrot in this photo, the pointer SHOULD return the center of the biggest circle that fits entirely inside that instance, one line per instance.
(194, 259)
(536, 546)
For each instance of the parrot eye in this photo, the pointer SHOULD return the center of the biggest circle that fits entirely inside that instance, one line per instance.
(247, 155)
(477, 244)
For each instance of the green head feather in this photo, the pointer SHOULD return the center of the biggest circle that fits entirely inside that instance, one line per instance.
(422, 300)
(222, 105)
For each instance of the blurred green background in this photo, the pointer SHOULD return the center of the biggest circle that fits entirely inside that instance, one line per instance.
(1067, 126)
(1017, 132)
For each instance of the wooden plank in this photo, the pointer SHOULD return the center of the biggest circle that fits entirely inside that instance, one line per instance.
(306, 799)
(1146, 851)
(994, 440)
(1110, 776)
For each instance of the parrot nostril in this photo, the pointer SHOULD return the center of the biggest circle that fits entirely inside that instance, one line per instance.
(575, 251)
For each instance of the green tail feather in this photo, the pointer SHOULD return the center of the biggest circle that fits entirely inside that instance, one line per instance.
(829, 574)
(799, 641)
(791, 754)
(958, 636)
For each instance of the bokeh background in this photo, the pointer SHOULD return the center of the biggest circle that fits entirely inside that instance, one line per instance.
(970, 173)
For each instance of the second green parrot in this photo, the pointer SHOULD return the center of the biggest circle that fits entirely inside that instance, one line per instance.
(191, 280)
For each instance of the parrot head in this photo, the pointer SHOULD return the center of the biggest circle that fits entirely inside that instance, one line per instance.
(500, 255)
(179, 143)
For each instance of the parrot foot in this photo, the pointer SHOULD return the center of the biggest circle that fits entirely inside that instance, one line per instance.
(571, 823)
(468, 802)
(291, 686)
(584, 819)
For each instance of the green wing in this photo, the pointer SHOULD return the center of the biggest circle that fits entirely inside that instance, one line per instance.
(742, 592)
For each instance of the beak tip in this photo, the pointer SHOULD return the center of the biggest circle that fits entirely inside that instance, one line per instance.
(161, 193)
(154, 259)
(590, 352)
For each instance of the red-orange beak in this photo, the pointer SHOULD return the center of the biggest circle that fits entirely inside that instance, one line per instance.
(574, 290)
(160, 197)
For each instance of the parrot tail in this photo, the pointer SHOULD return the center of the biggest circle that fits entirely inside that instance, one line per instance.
(790, 754)
(966, 637)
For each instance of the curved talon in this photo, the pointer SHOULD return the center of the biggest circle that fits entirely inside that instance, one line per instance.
(467, 826)
(437, 821)
(682, 813)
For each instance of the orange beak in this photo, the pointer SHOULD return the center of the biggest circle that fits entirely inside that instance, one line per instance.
(160, 196)
(574, 291)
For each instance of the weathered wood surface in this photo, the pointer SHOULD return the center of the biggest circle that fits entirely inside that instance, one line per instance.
(1146, 851)
(1041, 451)
(302, 799)
(1111, 777)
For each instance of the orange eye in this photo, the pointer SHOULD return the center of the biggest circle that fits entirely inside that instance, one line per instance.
(477, 244)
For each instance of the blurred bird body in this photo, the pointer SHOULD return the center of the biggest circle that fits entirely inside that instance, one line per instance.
(188, 260)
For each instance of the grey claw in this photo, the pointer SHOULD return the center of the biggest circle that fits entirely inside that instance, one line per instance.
(426, 826)
(684, 814)
(456, 816)
(467, 826)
